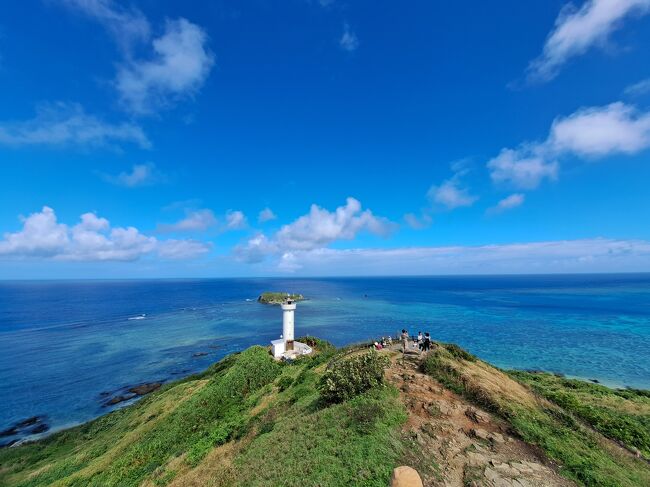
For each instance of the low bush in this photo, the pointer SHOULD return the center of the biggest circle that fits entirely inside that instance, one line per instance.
(348, 378)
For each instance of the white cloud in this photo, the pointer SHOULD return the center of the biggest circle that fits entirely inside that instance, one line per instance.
(593, 132)
(566, 256)
(182, 249)
(235, 220)
(180, 65)
(507, 203)
(601, 131)
(126, 25)
(451, 195)
(638, 89)
(522, 168)
(576, 31)
(195, 221)
(418, 223)
(266, 215)
(140, 175)
(92, 239)
(348, 41)
(317, 229)
(67, 124)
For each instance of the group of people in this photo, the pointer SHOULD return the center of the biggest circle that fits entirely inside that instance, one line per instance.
(423, 342)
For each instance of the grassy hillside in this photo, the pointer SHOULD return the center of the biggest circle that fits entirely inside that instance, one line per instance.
(565, 429)
(251, 421)
(247, 421)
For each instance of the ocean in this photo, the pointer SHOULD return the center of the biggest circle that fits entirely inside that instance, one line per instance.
(65, 346)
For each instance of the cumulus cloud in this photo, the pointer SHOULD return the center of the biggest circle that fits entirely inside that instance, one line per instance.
(139, 175)
(601, 131)
(317, 229)
(92, 239)
(565, 256)
(638, 89)
(195, 221)
(507, 203)
(418, 223)
(578, 30)
(451, 193)
(266, 215)
(126, 25)
(67, 124)
(522, 167)
(592, 133)
(348, 41)
(235, 220)
(178, 68)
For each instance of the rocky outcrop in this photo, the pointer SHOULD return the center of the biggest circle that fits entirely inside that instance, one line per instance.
(405, 477)
(131, 392)
(29, 426)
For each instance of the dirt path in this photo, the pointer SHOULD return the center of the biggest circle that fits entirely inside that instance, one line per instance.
(471, 447)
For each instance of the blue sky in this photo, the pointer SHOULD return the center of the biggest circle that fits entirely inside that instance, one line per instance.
(178, 139)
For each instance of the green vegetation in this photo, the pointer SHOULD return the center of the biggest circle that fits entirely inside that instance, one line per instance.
(350, 377)
(622, 415)
(328, 419)
(278, 298)
(247, 421)
(583, 455)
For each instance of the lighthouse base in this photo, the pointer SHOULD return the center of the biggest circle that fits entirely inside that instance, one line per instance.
(281, 350)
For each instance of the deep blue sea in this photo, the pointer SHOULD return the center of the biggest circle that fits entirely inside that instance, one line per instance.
(64, 343)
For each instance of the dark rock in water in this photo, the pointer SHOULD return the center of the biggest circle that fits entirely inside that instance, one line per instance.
(143, 389)
(29, 421)
(595, 381)
(21, 425)
(9, 431)
(41, 428)
(104, 394)
(118, 399)
(200, 354)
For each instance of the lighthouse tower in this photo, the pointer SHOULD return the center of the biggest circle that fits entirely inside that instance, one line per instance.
(288, 308)
(286, 347)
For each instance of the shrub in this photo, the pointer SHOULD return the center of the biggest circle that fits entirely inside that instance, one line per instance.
(347, 378)
(284, 382)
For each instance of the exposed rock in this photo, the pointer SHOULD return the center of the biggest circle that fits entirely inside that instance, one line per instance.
(29, 421)
(479, 433)
(199, 354)
(143, 389)
(497, 438)
(41, 428)
(405, 477)
(477, 416)
(9, 431)
(22, 425)
(118, 399)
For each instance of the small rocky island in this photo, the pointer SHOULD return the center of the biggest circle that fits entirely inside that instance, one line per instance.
(278, 298)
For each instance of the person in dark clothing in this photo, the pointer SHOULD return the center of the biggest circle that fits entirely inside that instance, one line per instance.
(426, 343)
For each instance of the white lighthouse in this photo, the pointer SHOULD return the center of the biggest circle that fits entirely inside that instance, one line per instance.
(287, 347)
(288, 307)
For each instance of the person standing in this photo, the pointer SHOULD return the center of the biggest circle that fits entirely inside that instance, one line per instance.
(405, 340)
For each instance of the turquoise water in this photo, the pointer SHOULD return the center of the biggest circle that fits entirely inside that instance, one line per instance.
(65, 346)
